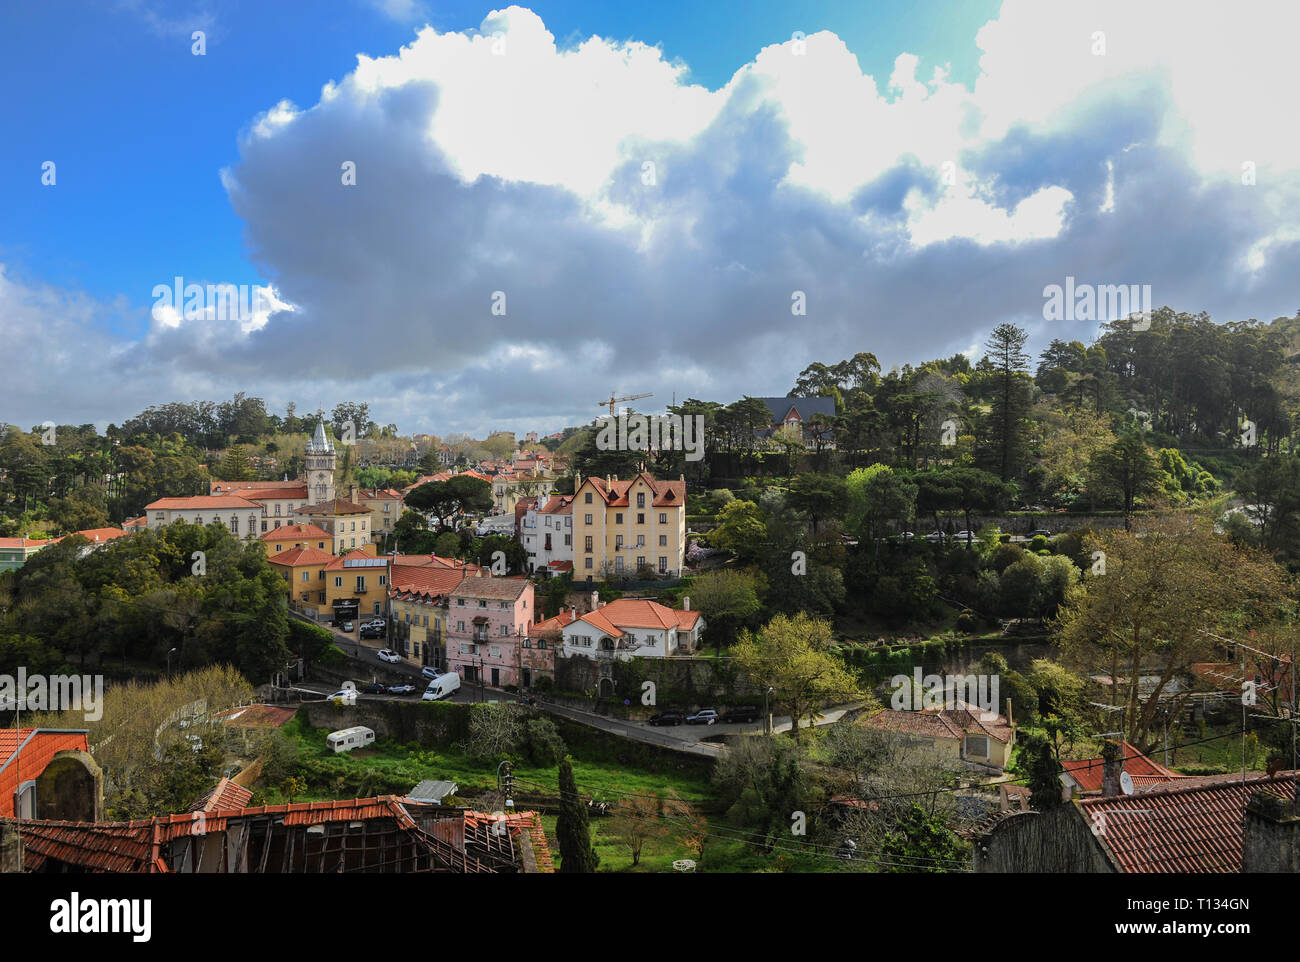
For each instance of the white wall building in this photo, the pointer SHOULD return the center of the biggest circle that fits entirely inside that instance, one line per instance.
(630, 628)
(546, 533)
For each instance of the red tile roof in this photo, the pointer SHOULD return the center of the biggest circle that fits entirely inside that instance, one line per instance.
(202, 502)
(297, 557)
(256, 716)
(224, 795)
(637, 613)
(499, 589)
(952, 723)
(1087, 772)
(25, 542)
(423, 581)
(665, 494)
(25, 752)
(1193, 829)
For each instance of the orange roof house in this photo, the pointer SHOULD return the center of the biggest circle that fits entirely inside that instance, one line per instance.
(51, 771)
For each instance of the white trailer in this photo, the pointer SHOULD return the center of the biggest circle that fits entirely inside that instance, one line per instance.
(346, 739)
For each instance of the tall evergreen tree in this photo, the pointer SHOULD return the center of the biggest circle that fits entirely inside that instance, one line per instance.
(1006, 349)
(572, 827)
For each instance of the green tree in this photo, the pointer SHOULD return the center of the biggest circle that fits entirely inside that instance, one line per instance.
(741, 529)
(727, 599)
(1128, 471)
(923, 843)
(820, 496)
(793, 655)
(1007, 434)
(572, 827)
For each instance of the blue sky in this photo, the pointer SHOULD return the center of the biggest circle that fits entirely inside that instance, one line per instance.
(819, 169)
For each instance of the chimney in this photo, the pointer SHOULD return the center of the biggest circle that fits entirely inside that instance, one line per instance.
(11, 847)
(686, 603)
(573, 612)
(595, 600)
(1271, 842)
(1112, 763)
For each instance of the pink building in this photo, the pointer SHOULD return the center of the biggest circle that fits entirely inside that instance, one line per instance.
(487, 619)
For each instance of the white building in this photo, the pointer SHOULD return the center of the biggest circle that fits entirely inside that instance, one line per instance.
(546, 533)
(630, 628)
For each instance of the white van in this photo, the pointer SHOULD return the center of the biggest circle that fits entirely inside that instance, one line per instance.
(347, 739)
(442, 686)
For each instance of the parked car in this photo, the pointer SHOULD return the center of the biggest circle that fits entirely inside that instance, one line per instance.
(667, 718)
(401, 689)
(742, 713)
(347, 626)
(374, 688)
(429, 671)
(965, 536)
(344, 696)
(442, 686)
(705, 716)
(388, 655)
(373, 623)
(935, 536)
(367, 633)
(1037, 531)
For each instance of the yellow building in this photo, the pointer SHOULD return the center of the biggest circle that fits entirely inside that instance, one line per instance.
(508, 488)
(384, 505)
(418, 604)
(621, 527)
(304, 572)
(348, 524)
(356, 585)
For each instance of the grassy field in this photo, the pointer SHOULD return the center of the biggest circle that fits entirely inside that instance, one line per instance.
(410, 763)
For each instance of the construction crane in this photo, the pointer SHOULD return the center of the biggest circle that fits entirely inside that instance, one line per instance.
(614, 400)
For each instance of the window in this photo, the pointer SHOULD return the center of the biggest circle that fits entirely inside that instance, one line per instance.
(618, 542)
(588, 521)
(279, 547)
(234, 526)
(354, 526)
(354, 542)
(663, 564)
(482, 603)
(640, 499)
(663, 541)
(541, 642)
(460, 626)
(494, 652)
(306, 576)
(426, 621)
(588, 548)
(383, 579)
(338, 582)
(618, 518)
(640, 541)
(505, 630)
(618, 563)
(588, 564)
(526, 643)
(977, 745)
(277, 509)
(640, 561)
(640, 519)
(264, 524)
(588, 502)
(568, 540)
(663, 517)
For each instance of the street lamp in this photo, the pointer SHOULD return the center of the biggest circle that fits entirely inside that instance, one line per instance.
(767, 718)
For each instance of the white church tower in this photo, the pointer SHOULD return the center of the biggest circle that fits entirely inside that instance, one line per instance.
(320, 461)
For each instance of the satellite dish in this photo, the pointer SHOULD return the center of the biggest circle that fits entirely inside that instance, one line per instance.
(1126, 783)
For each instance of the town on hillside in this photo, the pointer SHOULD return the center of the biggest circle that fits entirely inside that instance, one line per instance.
(642, 443)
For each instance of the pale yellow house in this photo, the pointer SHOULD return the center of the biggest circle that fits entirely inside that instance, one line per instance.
(347, 523)
(964, 733)
(622, 527)
(508, 488)
(304, 570)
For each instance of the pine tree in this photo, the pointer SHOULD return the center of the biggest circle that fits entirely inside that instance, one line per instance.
(572, 827)
(1006, 349)
(235, 466)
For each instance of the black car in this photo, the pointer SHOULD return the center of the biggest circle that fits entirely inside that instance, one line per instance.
(742, 713)
(667, 718)
(372, 632)
(374, 688)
